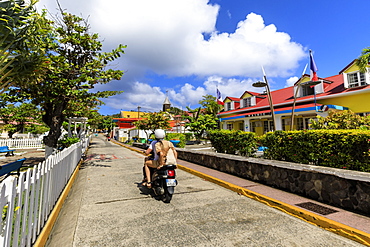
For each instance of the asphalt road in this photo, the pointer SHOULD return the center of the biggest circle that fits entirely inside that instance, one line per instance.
(108, 207)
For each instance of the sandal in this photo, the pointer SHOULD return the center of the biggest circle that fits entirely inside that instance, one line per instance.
(149, 185)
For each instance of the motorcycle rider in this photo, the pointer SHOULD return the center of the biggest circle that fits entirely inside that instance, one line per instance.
(152, 161)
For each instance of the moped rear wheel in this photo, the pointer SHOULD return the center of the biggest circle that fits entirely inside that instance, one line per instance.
(167, 197)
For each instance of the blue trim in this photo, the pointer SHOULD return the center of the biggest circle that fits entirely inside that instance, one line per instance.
(337, 107)
(229, 118)
(312, 108)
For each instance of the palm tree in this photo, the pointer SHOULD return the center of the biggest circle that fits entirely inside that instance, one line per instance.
(364, 59)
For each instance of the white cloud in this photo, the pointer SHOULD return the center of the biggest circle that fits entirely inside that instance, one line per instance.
(243, 52)
(140, 94)
(165, 37)
(151, 98)
(290, 82)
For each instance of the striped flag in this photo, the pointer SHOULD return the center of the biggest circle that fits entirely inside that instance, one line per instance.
(219, 101)
(313, 68)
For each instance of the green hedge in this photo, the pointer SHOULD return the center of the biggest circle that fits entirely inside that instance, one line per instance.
(177, 136)
(346, 149)
(233, 141)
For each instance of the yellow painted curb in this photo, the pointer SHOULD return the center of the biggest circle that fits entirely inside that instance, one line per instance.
(44, 235)
(327, 224)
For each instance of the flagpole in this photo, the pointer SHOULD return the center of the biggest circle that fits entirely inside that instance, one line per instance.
(269, 98)
(295, 99)
(218, 107)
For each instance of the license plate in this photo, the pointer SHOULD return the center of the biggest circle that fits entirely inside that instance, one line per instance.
(171, 182)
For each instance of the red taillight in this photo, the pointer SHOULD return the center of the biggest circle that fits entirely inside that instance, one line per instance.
(171, 173)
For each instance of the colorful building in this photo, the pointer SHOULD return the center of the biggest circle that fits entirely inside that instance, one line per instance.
(349, 90)
(125, 125)
(127, 119)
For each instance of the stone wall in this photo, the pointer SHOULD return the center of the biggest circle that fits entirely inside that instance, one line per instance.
(341, 188)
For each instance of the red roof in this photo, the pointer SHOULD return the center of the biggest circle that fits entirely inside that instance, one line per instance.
(285, 96)
(232, 98)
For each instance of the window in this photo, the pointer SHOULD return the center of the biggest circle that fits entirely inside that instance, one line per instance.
(247, 102)
(253, 126)
(229, 126)
(302, 123)
(268, 126)
(228, 106)
(308, 90)
(356, 79)
(363, 114)
(241, 126)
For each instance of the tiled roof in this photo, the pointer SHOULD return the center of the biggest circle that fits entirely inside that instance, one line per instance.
(233, 98)
(285, 96)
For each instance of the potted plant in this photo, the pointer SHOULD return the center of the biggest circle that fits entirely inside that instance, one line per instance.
(175, 142)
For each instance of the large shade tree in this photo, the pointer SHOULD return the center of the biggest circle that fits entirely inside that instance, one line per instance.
(200, 120)
(210, 106)
(18, 117)
(73, 63)
(152, 121)
(18, 24)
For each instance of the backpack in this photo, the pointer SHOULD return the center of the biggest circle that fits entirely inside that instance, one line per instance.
(168, 157)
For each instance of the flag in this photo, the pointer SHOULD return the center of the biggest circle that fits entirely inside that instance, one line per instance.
(313, 68)
(219, 101)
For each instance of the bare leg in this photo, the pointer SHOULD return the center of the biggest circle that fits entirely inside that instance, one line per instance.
(147, 172)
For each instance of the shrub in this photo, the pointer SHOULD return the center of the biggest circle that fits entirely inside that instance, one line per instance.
(177, 136)
(66, 142)
(348, 149)
(233, 141)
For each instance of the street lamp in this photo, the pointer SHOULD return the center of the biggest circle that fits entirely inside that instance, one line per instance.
(138, 112)
(266, 85)
(138, 118)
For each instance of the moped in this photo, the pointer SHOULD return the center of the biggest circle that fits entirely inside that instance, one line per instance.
(164, 182)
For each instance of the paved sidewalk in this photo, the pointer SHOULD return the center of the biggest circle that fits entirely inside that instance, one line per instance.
(108, 207)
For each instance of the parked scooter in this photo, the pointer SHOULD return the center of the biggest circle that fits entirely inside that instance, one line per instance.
(164, 182)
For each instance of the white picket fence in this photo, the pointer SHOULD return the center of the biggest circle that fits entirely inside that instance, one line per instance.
(27, 201)
(22, 143)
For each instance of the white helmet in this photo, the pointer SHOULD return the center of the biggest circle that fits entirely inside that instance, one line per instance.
(159, 134)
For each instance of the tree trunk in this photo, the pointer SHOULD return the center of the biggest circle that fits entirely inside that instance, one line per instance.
(48, 151)
(54, 119)
(10, 134)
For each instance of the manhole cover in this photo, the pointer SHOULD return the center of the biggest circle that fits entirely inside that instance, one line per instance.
(316, 208)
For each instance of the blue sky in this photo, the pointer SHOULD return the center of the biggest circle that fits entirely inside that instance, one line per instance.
(187, 48)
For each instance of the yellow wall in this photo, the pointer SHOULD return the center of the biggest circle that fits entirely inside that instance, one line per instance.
(259, 131)
(305, 78)
(246, 95)
(352, 68)
(131, 114)
(357, 103)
